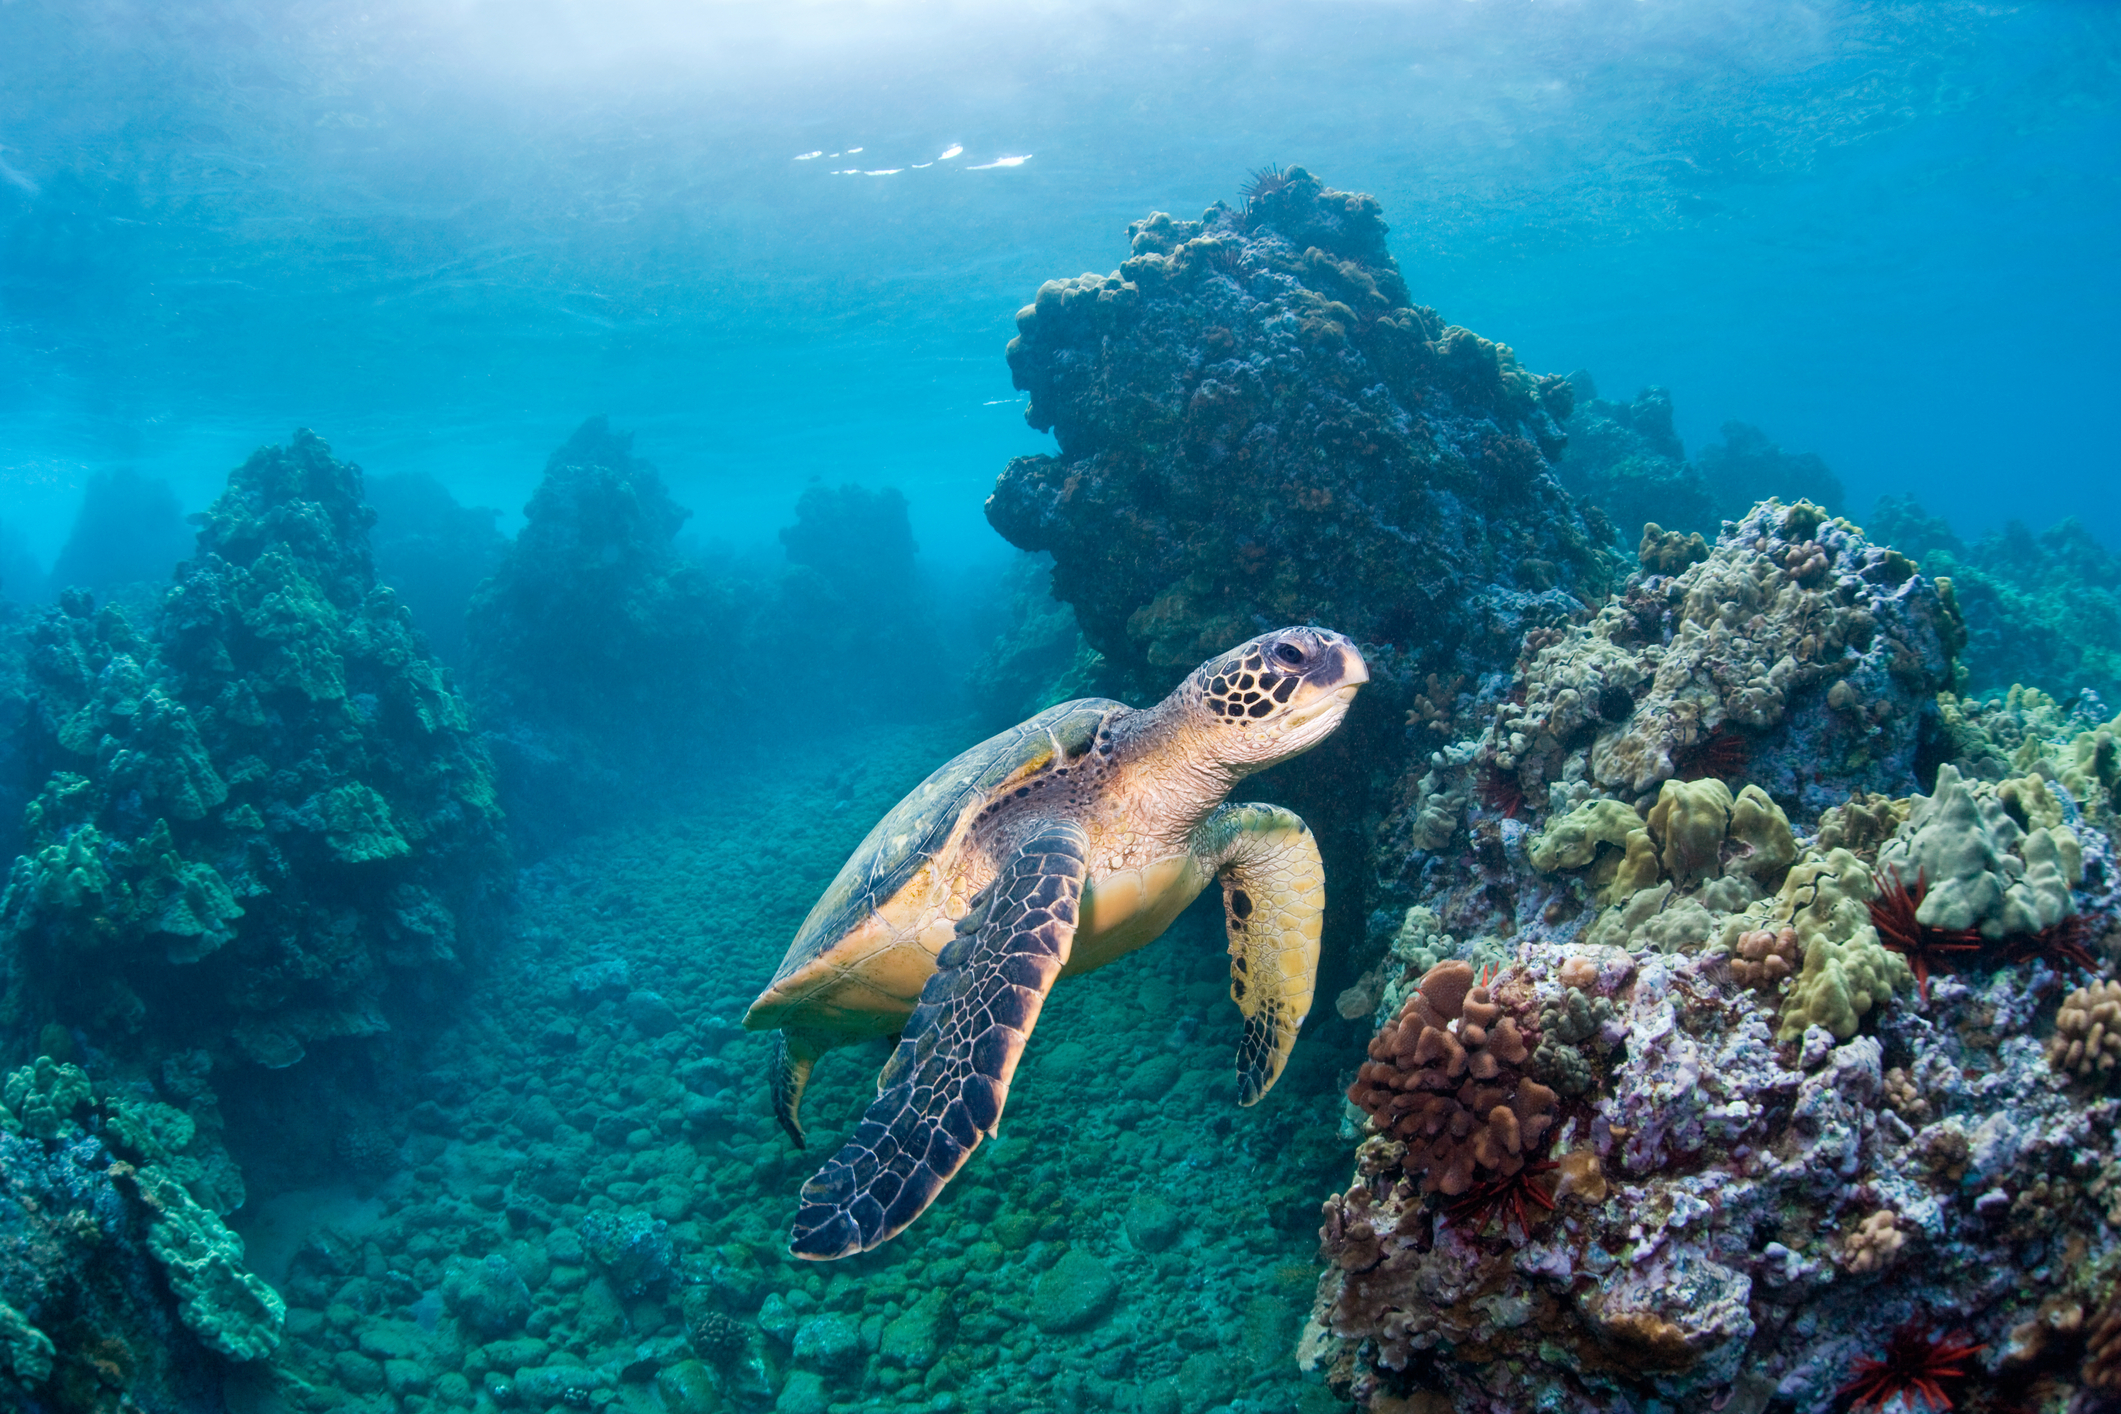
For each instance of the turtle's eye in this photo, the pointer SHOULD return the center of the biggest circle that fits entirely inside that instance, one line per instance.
(1289, 653)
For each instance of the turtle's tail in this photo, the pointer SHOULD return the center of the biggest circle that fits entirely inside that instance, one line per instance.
(792, 1060)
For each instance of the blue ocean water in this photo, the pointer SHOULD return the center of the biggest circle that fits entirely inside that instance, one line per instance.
(399, 879)
(442, 233)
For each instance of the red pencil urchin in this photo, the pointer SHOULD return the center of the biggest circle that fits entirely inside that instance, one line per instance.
(1502, 794)
(2068, 940)
(1721, 756)
(1914, 1365)
(1512, 1195)
(1894, 915)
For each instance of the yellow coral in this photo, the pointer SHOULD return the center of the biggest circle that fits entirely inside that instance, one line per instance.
(1826, 900)
(1758, 823)
(1606, 834)
(1688, 822)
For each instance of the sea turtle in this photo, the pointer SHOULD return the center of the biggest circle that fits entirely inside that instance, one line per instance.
(1046, 851)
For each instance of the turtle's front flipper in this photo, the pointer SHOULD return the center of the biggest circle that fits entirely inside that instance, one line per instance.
(943, 1089)
(1274, 899)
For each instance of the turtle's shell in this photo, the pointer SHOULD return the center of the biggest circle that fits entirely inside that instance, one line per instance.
(922, 825)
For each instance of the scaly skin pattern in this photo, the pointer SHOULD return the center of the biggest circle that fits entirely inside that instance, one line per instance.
(1139, 797)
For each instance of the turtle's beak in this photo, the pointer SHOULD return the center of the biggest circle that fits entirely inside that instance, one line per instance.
(1354, 671)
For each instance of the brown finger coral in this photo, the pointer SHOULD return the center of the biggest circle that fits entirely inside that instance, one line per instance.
(1765, 956)
(2102, 1354)
(2087, 1039)
(1445, 1078)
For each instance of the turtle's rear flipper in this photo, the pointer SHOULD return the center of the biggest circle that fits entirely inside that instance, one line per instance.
(793, 1056)
(944, 1087)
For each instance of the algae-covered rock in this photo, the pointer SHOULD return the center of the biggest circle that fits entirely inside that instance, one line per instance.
(1152, 1223)
(915, 1338)
(805, 1393)
(827, 1343)
(1077, 1291)
(489, 1298)
(688, 1387)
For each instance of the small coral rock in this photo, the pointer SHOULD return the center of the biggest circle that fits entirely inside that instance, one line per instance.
(1446, 1078)
(1874, 1244)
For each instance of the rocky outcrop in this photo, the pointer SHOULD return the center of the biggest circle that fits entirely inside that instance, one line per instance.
(1257, 425)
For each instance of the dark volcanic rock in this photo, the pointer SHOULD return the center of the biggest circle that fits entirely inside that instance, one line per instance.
(1258, 426)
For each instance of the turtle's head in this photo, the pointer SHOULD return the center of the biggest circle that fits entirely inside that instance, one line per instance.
(1275, 697)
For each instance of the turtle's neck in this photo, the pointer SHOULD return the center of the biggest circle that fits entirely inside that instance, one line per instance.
(1167, 752)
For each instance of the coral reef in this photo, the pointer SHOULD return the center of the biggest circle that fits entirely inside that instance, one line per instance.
(1797, 654)
(851, 589)
(1825, 1047)
(1773, 1144)
(119, 1288)
(592, 644)
(258, 815)
(591, 648)
(1746, 467)
(1256, 425)
(2041, 610)
(1626, 463)
(1040, 657)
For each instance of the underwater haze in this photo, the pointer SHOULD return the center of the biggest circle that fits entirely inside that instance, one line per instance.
(1271, 708)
